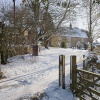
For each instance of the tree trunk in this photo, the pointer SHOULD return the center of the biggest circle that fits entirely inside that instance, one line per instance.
(3, 58)
(6, 55)
(91, 46)
(90, 31)
(46, 44)
(35, 51)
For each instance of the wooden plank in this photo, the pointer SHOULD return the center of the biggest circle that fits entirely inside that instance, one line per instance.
(90, 89)
(81, 98)
(74, 73)
(63, 71)
(71, 72)
(89, 81)
(82, 87)
(70, 67)
(93, 98)
(59, 73)
(83, 62)
(87, 72)
(94, 91)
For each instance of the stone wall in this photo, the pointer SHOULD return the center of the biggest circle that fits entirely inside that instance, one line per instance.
(57, 40)
(75, 39)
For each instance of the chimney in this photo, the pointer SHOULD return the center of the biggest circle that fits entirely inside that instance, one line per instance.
(70, 26)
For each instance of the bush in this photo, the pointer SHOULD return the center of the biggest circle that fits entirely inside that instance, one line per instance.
(39, 96)
(63, 45)
(20, 50)
(35, 98)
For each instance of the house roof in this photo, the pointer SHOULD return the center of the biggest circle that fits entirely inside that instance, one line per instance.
(96, 44)
(74, 32)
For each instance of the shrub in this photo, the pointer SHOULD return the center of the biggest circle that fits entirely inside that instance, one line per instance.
(63, 45)
(39, 96)
(35, 98)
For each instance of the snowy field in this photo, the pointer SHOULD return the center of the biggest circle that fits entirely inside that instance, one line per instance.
(27, 76)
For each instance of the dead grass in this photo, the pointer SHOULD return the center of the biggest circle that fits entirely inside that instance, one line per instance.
(39, 96)
(1, 74)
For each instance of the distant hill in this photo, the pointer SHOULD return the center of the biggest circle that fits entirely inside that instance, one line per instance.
(72, 32)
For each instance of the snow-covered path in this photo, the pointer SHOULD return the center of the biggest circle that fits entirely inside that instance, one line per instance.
(26, 75)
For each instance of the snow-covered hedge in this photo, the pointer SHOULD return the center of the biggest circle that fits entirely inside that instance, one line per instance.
(97, 50)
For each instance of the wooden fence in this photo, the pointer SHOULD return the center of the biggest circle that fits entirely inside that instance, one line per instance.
(84, 84)
(62, 71)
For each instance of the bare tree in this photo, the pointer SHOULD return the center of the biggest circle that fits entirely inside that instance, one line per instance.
(93, 18)
(14, 38)
(48, 19)
(3, 40)
(14, 12)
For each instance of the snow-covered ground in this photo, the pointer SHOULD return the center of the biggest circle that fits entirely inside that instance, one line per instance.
(27, 76)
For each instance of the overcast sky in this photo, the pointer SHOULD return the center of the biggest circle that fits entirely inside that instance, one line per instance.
(10, 1)
(79, 23)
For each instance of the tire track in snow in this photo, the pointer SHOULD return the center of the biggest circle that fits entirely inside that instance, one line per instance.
(27, 75)
(41, 71)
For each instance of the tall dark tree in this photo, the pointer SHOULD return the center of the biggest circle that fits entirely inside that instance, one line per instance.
(48, 27)
(3, 50)
(14, 12)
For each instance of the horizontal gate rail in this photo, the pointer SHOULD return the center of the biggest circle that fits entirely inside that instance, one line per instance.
(90, 89)
(93, 98)
(89, 81)
(87, 72)
(82, 98)
(84, 83)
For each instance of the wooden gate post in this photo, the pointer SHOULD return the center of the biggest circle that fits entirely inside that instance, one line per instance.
(73, 73)
(70, 70)
(62, 71)
(59, 70)
(83, 62)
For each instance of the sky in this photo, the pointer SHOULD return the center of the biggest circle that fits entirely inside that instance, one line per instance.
(10, 1)
(78, 23)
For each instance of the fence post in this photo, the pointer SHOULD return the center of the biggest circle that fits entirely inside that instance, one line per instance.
(70, 70)
(83, 62)
(73, 74)
(62, 71)
(59, 70)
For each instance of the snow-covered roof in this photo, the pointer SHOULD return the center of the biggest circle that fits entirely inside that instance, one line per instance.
(74, 32)
(96, 44)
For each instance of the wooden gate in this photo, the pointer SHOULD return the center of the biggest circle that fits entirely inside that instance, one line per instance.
(85, 84)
